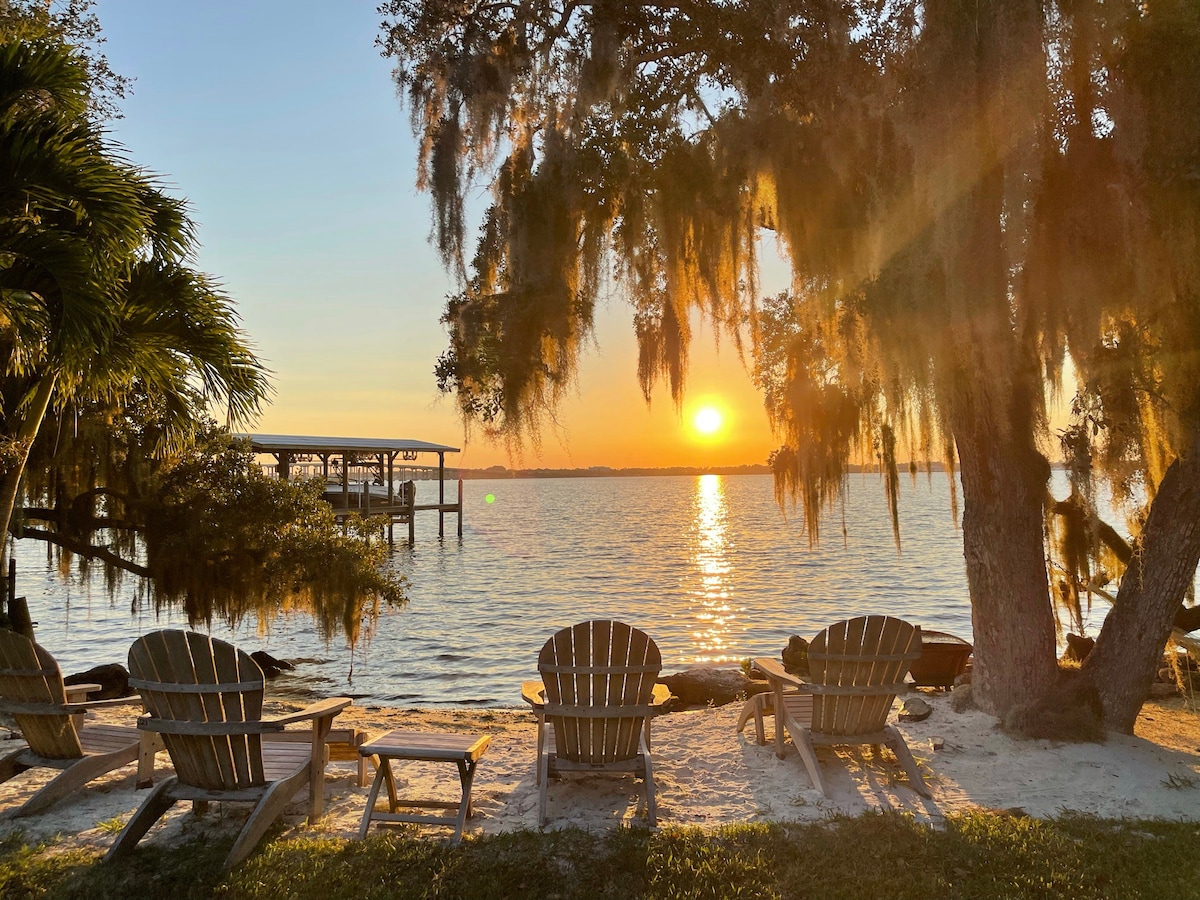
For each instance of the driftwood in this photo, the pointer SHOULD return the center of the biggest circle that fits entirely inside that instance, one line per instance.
(113, 679)
(1188, 619)
(702, 685)
(271, 666)
(795, 656)
(1078, 648)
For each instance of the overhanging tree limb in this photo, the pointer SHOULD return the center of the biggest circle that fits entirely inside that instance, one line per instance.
(84, 549)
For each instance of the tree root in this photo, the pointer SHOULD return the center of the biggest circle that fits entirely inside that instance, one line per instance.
(1070, 711)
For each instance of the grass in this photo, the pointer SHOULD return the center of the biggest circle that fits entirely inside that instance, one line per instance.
(1180, 781)
(978, 855)
(111, 826)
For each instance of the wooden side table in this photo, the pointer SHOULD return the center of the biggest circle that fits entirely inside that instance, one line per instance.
(464, 750)
(77, 693)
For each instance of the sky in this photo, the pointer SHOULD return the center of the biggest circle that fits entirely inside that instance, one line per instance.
(280, 123)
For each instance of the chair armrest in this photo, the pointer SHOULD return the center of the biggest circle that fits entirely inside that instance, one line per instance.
(319, 710)
(661, 696)
(775, 672)
(116, 701)
(533, 693)
(42, 709)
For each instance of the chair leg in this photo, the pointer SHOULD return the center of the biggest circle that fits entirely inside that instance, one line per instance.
(541, 733)
(269, 807)
(360, 738)
(320, 758)
(70, 780)
(157, 802)
(148, 746)
(900, 748)
(648, 778)
(803, 741)
(543, 785)
(749, 710)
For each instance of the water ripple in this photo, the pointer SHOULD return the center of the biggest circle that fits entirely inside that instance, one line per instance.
(707, 565)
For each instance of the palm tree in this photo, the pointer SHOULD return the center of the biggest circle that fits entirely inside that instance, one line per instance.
(95, 293)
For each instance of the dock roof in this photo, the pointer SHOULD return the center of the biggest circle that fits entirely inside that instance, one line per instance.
(298, 443)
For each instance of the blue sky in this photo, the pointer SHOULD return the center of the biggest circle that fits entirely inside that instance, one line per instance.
(279, 122)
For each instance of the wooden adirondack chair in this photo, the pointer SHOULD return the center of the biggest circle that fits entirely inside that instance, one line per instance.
(856, 668)
(599, 681)
(32, 691)
(205, 698)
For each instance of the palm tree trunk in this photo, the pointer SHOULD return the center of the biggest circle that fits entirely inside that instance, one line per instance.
(11, 482)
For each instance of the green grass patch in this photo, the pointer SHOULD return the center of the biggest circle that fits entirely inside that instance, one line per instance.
(112, 826)
(978, 855)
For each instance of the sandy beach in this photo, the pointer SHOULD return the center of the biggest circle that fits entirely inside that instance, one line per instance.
(707, 775)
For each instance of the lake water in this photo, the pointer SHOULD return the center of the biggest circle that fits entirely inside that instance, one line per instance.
(708, 565)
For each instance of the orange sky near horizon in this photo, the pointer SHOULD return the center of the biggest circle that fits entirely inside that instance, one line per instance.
(603, 421)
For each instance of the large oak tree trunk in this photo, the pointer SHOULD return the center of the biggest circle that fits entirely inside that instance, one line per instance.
(1128, 650)
(980, 123)
(1003, 542)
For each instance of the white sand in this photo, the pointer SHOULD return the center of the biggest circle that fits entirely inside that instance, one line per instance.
(706, 775)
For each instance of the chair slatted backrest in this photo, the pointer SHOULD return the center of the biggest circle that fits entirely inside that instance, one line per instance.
(29, 677)
(599, 677)
(189, 677)
(861, 663)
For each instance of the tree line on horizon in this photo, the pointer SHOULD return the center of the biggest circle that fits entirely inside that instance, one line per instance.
(986, 205)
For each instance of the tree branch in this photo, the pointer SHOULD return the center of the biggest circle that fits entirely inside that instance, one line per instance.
(91, 551)
(95, 523)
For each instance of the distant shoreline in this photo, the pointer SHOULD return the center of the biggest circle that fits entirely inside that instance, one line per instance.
(637, 472)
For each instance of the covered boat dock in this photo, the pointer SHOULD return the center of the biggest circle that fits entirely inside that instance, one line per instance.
(368, 476)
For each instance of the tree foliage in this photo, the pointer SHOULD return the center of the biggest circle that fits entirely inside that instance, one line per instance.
(204, 528)
(113, 351)
(75, 23)
(969, 194)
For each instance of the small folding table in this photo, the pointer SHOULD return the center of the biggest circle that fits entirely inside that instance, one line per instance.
(463, 750)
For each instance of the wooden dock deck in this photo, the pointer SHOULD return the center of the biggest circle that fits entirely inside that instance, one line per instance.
(360, 475)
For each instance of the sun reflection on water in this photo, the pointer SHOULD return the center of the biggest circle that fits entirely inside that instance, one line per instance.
(711, 605)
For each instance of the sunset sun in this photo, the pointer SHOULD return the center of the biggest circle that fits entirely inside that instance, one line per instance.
(707, 420)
